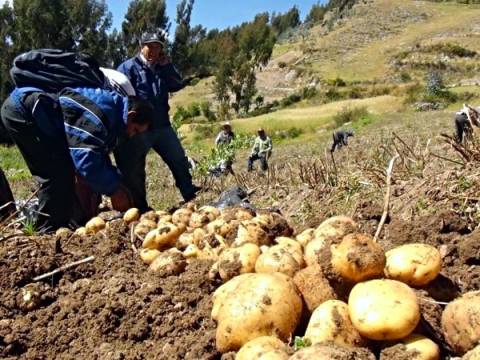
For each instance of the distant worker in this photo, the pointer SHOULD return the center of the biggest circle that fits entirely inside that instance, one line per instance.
(262, 150)
(7, 203)
(340, 139)
(465, 119)
(65, 141)
(225, 136)
(153, 77)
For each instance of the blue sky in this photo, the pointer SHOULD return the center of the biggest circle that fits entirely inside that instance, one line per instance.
(219, 13)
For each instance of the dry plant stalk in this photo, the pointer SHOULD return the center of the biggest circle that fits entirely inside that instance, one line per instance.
(64, 267)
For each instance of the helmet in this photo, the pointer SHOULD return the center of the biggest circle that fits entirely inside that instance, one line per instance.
(118, 82)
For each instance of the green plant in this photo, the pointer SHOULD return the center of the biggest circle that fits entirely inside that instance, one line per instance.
(29, 227)
(405, 76)
(202, 132)
(300, 343)
(348, 114)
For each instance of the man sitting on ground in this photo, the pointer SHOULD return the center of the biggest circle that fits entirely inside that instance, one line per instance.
(262, 150)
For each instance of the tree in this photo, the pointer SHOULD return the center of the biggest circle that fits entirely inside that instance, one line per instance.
(181, 48)
(316, 14)
(116, 51)
(288, 20)
(141, 16)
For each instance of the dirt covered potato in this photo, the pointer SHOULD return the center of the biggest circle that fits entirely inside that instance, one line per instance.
(94, 225)
(422, 347)
(256, 305)
(313, 249)
(235, 261)
(263, 348)
(358, 258)
(250, 231)
(148, 255)
(335, 227)
(472, 354)
(150, 216)
(293, 247)
(81, 231)
(413, 264)
(277, 259)
(383, 309)
(162, 238)
(305, 237)
(169, 263)
(144, 227)
(181, 216)
(313, 286)
(131, 215)
(333, 352)
(461, 322)
(331, 322)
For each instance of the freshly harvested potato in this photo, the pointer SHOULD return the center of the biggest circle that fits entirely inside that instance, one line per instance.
(181, 216)
(150, 215)
(383, 309)
(275, 224)
(169, 263)
(331, 322)
(167, 219)
(306, 236)
(358, 258)
(131, 215)
(211, 212)
(235, 261)
(148, 255)
(141, 230)
(258, 305)
(81, 231)
(422, 347)
(335, 227)
(472, 354)
(94, 225)
(224, 291)
(277, 259)
(243, 214)
(314, 248)
(313, 286)
(215, 227)
(413, 264)
(63, 232)
(161, 213)
(191, 251)
(30, 297)
(263, 348)
(293, 247)
(250, 231)
(461, 322)
(198, 220)
(162, 238)
(332, 351)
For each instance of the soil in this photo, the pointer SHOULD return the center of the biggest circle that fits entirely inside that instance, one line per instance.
(112, 308)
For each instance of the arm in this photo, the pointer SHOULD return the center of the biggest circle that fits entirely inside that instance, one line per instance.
(218, 139)
(172, 77)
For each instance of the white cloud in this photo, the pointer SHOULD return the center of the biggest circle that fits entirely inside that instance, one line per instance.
(3, 2)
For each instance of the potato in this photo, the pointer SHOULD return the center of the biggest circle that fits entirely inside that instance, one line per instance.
(306, 236)
(413, 264)
(63, 232)
(30, 297)
(275, 224)
(211, 212)
(461, 322)
(81, 231)
(148, 255)
(131, 215)
(277, 259)
(161, 213)
(181, 216)
(192, 251)
(313, 286)
(165, 219)
(243, 214)
(472, 354)
(333, 352)
(250, 231)
(198, 220)
(94, 225)
(162, 238)
(313, 249)
(358, 258)
(331, 322)
(150, 216)
(224, 291)
(168, 263)
(293, 247)
(263, 348)
(335, 227)
(422, 347)
(383, 309)
(235, 261)
(258, 305)
(215, 227)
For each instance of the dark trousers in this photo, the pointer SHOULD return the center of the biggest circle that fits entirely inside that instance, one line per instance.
(255, 157)
(130, 158)
(49, 162)
(7, 203)
(462, 127)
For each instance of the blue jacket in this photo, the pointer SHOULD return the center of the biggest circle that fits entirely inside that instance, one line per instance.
(153, 85)
(90, 121)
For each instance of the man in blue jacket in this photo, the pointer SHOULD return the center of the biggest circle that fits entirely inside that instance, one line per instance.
(153, 77)
(67, 138)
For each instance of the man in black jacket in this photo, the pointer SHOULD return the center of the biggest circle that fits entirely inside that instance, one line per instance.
(340, 139)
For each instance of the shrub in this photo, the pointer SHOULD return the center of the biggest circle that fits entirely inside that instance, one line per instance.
(405, 76)
(290, 99)
(333, 95)
(291, 133)
(282, 64)
(202, 132)
(338, 82)
(348, 114)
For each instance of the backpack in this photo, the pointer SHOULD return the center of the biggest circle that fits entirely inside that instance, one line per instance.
(52, 70)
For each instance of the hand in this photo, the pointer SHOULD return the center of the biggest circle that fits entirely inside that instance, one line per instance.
(163, 59)
(121, 199)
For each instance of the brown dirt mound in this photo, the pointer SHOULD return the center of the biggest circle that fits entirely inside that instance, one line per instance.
(112, 308)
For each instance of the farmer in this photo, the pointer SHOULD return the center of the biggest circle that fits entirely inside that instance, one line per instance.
(65, 141)
(340, 139)
(465, 119)
(7, 204)
(225, 136)
(153, 77)
(262, 150)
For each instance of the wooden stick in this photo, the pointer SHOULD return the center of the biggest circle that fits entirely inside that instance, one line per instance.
(132, 238)
(64, 267)
(386, 207)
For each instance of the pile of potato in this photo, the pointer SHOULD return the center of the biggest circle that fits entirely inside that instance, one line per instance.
(340, 285)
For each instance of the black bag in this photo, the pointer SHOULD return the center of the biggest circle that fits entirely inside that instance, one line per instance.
(52, 70)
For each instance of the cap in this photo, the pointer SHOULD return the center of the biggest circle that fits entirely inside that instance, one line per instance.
(260, 130)
(118, 82)
(225, 124)
(159, 36)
